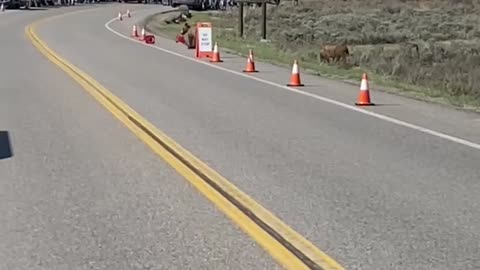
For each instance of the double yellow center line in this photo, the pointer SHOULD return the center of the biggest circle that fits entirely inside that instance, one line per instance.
(288, 247)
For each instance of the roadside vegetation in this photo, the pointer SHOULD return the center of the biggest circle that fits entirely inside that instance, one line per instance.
(442, 66)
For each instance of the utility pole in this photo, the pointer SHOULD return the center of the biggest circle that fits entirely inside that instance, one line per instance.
(264, 20)
(263, 25)
(240, 20)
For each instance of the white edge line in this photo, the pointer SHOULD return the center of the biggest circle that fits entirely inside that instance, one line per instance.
(298, 91)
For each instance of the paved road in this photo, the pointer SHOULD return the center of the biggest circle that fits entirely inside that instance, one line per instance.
(371, 194)
(82, 192)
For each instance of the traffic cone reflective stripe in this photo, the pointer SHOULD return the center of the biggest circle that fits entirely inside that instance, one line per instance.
(134, 31)
(364, 95)
(142, 35)
(216, 54)
(250, 54)
(250, 63)
(295, 77)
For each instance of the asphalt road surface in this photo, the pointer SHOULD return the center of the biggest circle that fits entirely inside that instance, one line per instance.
(81, 191)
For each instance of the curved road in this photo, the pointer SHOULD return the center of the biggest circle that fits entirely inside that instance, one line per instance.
(81, 191)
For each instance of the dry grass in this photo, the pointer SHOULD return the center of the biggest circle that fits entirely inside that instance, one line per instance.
(447, 34)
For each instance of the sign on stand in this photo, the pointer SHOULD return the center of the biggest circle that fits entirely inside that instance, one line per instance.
(204, 46)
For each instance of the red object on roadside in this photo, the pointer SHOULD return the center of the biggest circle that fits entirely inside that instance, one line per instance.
(180, 39)
(150, 39)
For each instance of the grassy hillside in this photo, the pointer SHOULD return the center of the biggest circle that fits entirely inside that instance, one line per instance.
(445, 69)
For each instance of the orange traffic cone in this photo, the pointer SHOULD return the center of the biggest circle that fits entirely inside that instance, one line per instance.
(216, 54)
(134, 31)
(128, 13)
(364, 95)
(142, 34)
(120, 16)
(295, 77)
(250, 63)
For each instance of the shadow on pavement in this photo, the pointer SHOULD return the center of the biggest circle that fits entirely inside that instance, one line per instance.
(33, 9)
(5, 146)
(386, 104)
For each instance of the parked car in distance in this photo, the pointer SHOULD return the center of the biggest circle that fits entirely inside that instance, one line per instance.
(14, 4)
(166, 2)
(192, 4)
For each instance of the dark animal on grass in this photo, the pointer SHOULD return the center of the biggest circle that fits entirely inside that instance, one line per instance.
(333, 52)
(182, 16)
(190, 32)
(177, 19)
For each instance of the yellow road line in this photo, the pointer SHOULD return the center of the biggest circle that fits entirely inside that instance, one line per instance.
(288, 247)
